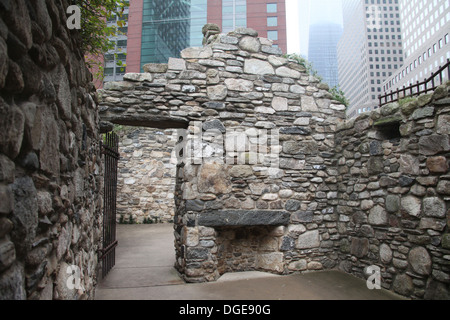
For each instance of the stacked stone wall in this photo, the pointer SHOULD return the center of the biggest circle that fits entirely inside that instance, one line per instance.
(394, 188)
(260, 179)
(146, 175)
(271, 177)
(50, 170)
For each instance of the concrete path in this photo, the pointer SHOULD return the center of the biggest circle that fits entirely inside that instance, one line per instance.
(144, 270)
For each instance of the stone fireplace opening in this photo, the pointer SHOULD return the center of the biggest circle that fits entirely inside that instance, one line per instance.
(249, 249)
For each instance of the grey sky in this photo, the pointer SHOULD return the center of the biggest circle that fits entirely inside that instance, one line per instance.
(302, 13)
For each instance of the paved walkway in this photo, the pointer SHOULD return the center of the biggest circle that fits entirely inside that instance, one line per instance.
(144, 271)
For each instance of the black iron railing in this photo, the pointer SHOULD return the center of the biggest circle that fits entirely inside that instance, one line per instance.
(418, 88)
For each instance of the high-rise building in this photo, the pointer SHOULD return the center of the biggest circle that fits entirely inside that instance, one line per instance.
(426, 43)
(158, 29)
(115, 59)
(322, 53)
(369, 52)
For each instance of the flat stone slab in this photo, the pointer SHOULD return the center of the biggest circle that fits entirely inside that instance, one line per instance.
(243, 218)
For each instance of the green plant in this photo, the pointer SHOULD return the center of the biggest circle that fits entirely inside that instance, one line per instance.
(96, 33)
(305, 63)
(339, 95)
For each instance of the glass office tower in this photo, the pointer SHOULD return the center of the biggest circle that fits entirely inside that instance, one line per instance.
(165, 29)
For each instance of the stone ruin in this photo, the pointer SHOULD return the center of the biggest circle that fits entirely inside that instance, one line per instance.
(271, 176)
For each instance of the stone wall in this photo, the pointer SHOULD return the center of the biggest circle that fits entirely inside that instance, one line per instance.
(256, 171)
(146, 180)
(50, 171)
(394, 190)
(271, 177)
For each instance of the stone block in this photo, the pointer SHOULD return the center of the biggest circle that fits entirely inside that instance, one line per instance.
(176, 64)
(385, 253)
(25, 217)
(286, 72)
(378, 216)
(434, 207)
(197, 53)
(250, 44)
(258, 67)
(302, 217)
(292, 164)
(359, 247)
(7, 254)
(217, 93)
(12, 122)
(213, 178)
(12, 283)
(411, 205)
(155, 67)
(433, 144)
(409, 164)
(308, 104)
(138, 77)
(240, 85)
(308, 240)
(432, 223)
(437, 164)
(443, 124)
(420, 261)
(280, 104)
(446, 241)
(403, 285)
(392, 203)
(273, 261)
(240, 218)
(443, 187)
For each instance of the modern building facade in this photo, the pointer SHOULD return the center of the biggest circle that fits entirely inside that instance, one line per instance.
(113, 69)
(370, 51)
(426, 45)
(159, 29)
(322, 51)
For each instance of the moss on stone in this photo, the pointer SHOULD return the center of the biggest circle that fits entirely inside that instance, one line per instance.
(387, 121)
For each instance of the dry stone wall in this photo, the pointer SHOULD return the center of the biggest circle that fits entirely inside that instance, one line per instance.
(271, 177)
(50, 170)
(146, 175)
(256, 178)
(394, 192)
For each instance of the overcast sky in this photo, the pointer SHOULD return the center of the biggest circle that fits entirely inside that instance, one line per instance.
(302, 13)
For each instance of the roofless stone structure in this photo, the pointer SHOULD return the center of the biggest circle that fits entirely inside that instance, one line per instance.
(258, 129)
(271, 177)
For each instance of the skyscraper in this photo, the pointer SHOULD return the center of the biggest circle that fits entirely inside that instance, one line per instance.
(115, 59)
(159, 29)
(369, 51)
(426, 45)
(322, 53)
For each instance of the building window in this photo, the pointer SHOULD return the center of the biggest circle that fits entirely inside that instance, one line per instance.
(109, 71)
(272, 7)
(122, 43)
(272, 21)
(272, 35)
